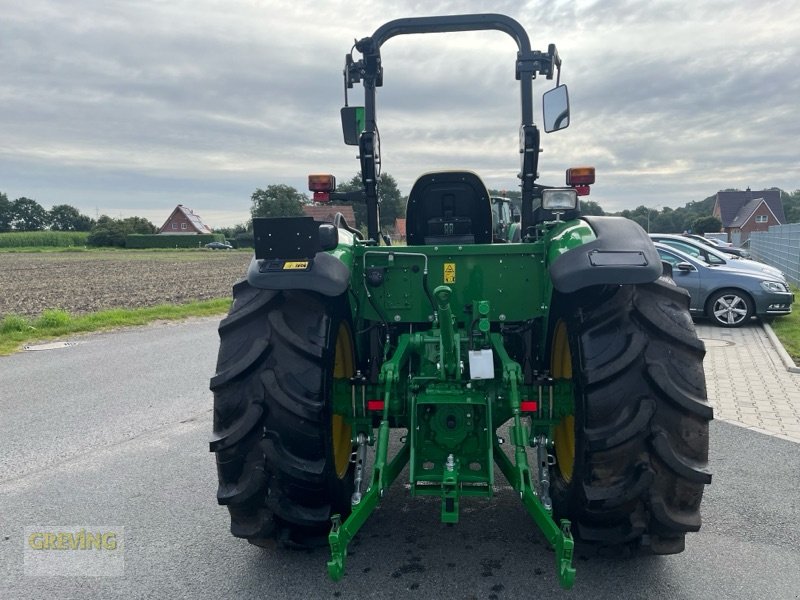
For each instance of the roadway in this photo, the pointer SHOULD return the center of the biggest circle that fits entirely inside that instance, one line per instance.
(115, 430)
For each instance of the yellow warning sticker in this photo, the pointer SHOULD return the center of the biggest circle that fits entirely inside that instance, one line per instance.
(449, 272)
(295, 265)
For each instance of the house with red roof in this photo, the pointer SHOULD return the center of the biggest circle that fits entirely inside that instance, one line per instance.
(741, 213)
(326, 212)
(184, 220)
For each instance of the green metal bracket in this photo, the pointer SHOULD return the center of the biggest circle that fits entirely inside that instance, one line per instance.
(382, 477)
(449, 348)
(451, 427)
(450, 491)
(519, 476)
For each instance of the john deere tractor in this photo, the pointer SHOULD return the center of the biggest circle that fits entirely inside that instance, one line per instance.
(572, 346)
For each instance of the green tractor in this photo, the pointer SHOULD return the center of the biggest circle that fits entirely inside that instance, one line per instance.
(567, 361)
(505, 220)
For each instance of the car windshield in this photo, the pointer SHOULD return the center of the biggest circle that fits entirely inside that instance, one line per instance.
(674, 258)
(695, 250)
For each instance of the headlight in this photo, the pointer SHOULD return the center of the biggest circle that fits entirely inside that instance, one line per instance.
(774, 286)
(559, 199)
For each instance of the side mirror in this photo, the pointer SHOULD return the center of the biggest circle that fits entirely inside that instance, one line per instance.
(353, 123)
(555, 106)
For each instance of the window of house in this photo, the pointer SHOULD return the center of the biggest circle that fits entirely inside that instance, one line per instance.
(174, 225)
(183, 225)
(761, 218)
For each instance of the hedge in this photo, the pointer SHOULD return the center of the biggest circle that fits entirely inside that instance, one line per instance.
(165, 240)
(27, 239)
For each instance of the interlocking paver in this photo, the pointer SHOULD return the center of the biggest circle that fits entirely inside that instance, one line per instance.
(747, 382)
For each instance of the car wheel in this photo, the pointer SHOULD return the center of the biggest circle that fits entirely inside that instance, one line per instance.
(730, 308)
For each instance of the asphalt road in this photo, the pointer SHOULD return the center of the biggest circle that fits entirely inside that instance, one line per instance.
(115, 431)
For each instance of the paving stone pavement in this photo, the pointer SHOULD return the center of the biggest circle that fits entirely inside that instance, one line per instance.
(747, 382)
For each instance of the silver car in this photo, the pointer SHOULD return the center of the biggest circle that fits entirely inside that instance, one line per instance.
(727, 296)
(714, 256)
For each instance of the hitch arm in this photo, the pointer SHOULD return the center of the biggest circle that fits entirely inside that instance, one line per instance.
(383, 474)
(519, 475)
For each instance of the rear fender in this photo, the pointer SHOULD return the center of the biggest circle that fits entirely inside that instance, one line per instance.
(620, 253)
(327, 273)
(324, 273)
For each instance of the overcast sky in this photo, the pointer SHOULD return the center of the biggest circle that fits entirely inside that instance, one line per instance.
(129, 108)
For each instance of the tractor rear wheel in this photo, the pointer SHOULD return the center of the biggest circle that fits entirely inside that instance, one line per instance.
(283, 456)
(631, 463)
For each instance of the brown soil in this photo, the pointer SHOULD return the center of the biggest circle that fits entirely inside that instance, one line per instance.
(90, 281)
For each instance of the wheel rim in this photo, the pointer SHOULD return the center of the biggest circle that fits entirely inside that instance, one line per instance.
(341, 431)
(730, 309)
(564, 434)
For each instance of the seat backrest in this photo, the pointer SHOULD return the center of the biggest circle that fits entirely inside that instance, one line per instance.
(448, 207)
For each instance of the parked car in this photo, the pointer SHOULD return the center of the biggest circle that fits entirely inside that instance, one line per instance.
(714, 256)
(722, 246)
(727, 296)
(219, 246)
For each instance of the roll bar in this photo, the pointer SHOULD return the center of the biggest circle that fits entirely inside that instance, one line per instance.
(369, 70)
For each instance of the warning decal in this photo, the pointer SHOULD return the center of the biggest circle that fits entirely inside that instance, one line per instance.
(449, 272)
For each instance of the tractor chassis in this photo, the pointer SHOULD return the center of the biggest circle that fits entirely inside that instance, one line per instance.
(438, 472)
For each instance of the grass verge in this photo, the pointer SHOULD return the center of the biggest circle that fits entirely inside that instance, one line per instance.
(15, 331)
(788, 329)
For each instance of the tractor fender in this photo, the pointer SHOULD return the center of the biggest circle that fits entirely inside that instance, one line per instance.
(325, 274)
(621, 253)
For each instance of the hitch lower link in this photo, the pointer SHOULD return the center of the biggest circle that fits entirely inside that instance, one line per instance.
(385, 472)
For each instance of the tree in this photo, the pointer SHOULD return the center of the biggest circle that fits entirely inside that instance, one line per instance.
(5, 213)
(28, 215)
(392, 204)
(112, 232)
(139, 225)
(64, 217)
(791, 206)
(231, 232)
(590, 207)
(277, 201)
(107, 232)
(359, 206)
(706, 225)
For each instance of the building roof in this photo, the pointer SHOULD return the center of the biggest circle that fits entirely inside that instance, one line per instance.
(748, 210)
(738, 206)
(326, 212)
(194, 220)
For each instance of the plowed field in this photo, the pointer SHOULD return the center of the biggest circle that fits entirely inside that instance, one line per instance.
(90, 281)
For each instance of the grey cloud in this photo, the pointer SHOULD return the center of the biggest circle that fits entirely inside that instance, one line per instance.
(147, 104)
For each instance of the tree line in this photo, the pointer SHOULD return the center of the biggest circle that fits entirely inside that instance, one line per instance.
(26, 214)
(696, 216)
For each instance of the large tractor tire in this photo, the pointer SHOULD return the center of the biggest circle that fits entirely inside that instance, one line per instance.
(631, 463)
(283, 456)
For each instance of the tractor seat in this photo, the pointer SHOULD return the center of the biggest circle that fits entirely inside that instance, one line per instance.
(448, 207)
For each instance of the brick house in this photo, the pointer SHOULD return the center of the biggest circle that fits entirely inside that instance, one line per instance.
(184, 220)
(400, 229)
(744, 212)
(326, 212)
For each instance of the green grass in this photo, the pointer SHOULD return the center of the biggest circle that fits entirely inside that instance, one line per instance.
(788, 329)
(15, 331)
